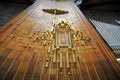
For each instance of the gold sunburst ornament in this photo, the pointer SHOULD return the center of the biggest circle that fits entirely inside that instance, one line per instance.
(58, 11)
(63, 41)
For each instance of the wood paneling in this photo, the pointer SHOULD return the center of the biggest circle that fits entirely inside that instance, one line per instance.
(20, 62)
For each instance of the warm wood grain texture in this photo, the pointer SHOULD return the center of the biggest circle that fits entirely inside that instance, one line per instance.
(23, 59)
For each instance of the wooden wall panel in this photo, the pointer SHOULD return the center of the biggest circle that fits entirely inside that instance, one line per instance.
(23, 59)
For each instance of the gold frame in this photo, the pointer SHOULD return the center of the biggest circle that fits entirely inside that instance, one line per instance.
(57, 44)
